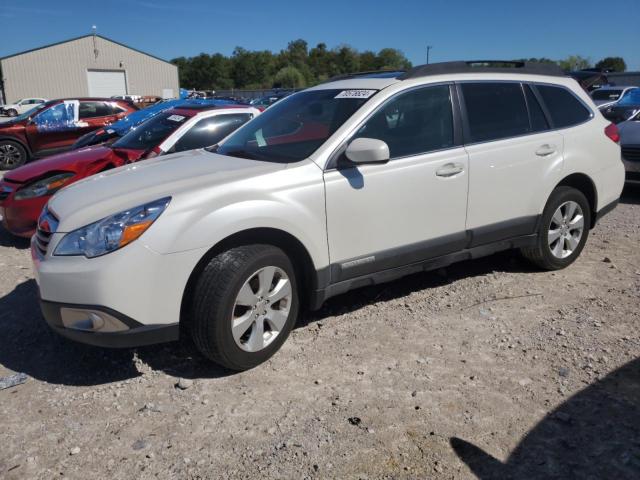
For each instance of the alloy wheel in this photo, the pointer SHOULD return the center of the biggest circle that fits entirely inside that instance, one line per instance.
(261, 309)
(9, 156)
(566, 229)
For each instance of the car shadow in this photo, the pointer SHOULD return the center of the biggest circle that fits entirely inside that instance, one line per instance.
(630, 194)
(595, 434)
(28, 345)
(506, 261)
(8, 240)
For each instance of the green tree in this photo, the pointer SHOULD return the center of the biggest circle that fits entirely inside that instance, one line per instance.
(392, 59)
(574, 62)
(614, 64)
(289, 77)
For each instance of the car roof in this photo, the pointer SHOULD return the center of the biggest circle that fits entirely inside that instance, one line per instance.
(195, 110)
(381, 79)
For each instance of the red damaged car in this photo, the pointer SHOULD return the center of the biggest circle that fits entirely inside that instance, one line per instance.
(54, 126)
(25, 190)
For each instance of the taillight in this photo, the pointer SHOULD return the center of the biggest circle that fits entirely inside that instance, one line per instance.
(612, 132)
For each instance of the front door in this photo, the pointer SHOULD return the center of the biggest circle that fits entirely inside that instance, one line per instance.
(412, 208)
(54, 128)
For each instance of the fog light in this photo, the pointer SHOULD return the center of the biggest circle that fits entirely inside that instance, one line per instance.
(90, 320)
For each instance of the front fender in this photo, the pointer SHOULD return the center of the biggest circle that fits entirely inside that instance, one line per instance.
(298, 212)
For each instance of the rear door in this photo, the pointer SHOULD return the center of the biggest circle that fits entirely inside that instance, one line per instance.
(513, 156)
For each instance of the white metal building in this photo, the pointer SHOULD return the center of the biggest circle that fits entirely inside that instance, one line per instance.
(87, 66)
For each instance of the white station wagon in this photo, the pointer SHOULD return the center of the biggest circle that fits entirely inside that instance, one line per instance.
(354, 182)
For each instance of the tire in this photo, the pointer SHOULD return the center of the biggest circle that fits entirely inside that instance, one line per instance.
(558, 244)
(12, 112)
(230, 290)
(12, 155)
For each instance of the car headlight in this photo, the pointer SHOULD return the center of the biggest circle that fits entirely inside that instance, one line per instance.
(111, 233)
(46, 186)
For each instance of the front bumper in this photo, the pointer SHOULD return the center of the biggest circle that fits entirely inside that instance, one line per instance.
(134, 282)
(19, 217)
(131, 333)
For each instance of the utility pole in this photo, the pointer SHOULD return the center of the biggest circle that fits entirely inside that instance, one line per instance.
(429, 47)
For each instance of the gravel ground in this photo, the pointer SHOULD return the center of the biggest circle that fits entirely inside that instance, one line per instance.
(488, 369)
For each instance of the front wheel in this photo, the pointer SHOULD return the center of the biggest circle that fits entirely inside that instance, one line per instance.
(564, 228)
(12, 112)
(244, 306)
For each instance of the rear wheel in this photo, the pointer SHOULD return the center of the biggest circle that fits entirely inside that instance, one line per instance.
(564, 229)
(12, 155)
(244, 306)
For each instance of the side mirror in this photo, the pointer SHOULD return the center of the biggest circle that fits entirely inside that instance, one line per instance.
(367, 150)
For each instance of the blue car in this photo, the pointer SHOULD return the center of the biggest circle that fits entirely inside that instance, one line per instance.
(121, 127)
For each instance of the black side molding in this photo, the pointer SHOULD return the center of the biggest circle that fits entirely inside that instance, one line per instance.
(319, 296)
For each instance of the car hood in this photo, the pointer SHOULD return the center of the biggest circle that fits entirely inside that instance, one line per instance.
(68, 162)
(110, 192)
(12, 105)
(629, 132)
(12, 123)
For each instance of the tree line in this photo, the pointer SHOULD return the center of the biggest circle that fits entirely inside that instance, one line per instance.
(296, 66)
(299, 66)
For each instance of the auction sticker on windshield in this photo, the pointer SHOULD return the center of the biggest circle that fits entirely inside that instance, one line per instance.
(175, 118)
(355, 93)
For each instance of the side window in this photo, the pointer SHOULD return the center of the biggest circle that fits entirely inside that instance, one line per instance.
(415, 122)
(565, 109)
(495, 111)
(58, 117)
(538, 120)
(93, 110)
(210, 131)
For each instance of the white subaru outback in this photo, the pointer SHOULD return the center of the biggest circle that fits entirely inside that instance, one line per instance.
(356, 181)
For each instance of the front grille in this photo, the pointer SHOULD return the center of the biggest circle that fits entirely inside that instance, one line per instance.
(631, 153)
(42, 241)
(47, 225)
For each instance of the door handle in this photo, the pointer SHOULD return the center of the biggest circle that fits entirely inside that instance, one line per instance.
(449, 170)
(546, 150)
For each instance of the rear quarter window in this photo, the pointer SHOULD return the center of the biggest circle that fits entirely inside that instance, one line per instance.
(563, 107)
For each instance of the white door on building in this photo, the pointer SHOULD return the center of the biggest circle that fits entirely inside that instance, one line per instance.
(103, 83)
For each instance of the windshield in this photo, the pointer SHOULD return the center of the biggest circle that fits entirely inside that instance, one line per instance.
(152, 132)
(608, 94)
(632, 97)
(295, 127)
(29, 113)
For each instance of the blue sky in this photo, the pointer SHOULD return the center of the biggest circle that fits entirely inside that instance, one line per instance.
(481, 29)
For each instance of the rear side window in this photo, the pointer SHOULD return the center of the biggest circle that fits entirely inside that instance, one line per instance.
(495, 110)
(538, 120)
(415, 122)
(565, 109)
(210, 131)
(94, 109)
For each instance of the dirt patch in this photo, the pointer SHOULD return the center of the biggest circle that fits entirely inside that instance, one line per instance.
(488, 366)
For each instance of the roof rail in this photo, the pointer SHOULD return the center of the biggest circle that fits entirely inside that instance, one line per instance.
(484, 66)
(346, 76)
